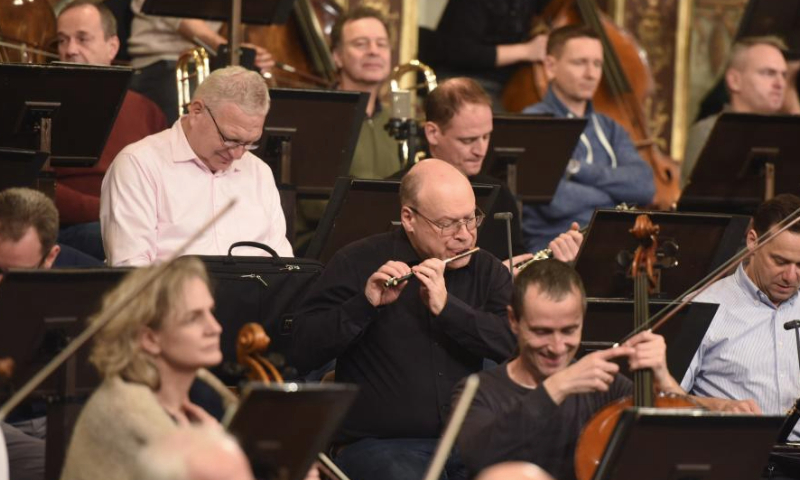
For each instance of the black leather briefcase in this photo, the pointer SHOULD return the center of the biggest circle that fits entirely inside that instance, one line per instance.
(265, 290)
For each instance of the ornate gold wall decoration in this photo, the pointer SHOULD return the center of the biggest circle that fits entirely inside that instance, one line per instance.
(714, 27)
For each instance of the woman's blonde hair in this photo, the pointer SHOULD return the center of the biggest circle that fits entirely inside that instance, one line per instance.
(117, 349)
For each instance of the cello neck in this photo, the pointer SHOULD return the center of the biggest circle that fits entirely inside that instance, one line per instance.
(642, 379)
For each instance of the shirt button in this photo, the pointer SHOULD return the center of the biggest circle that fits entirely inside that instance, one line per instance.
(440, 374)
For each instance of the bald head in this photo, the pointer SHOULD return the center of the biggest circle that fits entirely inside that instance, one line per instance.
(431, 176)
(438, 211)
(514, 471)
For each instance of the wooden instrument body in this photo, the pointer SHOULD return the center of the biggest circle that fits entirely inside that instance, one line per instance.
(597, 432)
(32, 24)
(627, 82)
(298, 43)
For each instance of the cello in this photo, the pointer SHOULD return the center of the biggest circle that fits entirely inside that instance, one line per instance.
(622, 92)
(597, 432)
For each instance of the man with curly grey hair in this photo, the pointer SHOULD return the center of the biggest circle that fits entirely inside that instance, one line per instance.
(161, 189)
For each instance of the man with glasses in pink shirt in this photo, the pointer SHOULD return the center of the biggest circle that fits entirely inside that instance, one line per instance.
(160, 190)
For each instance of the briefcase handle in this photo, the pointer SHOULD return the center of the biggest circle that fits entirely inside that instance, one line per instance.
(262, 246)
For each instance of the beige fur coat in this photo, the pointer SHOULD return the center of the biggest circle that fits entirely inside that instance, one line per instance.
(117, 421)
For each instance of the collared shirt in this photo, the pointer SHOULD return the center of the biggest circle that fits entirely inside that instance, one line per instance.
(746, 353)
(157, 193)
(405, 359)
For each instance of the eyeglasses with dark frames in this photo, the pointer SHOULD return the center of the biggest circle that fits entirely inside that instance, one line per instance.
(451, 228)
(228, 143)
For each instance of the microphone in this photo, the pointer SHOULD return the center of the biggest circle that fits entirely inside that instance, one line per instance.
(401, 105)
(507, 216)
(791, 324)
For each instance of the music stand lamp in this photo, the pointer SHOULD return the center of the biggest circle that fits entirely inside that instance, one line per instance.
(39, 317)
(531, 153)
(62, 112)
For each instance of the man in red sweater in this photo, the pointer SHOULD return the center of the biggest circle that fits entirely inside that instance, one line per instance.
(87, 33)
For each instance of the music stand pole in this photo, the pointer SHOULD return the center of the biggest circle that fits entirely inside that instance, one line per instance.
(769, 181)
(235, 35)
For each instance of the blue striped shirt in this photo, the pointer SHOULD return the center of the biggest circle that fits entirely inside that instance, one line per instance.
(746, 353)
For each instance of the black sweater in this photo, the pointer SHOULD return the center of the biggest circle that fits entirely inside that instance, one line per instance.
(510, 422)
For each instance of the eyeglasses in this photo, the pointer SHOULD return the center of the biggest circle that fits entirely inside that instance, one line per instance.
(227, 143)
(451, 228)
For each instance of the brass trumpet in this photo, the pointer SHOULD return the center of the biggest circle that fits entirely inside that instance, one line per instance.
(192, 68)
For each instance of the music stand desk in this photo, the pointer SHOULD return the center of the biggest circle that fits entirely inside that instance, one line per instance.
(39, 316)
(82, 100)
(258, 12)
(607, 321)
(663, 444)
(20, 168)
(310, 136)
(705, 241)
(770, 17)
(281, 428)
(531, 153)
(733, 167)
(361, 208)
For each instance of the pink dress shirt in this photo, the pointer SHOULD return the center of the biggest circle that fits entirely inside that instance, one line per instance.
(157, 193)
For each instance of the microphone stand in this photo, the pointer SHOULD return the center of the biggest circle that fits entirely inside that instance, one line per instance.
(794, 413)
(507, 216)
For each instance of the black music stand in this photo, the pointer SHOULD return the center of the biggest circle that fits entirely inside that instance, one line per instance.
(705, 241)
(661, 444)
(607, 321)
(748, 158)
(531, 153)
(773, 17)
(310, 136)
(76, 104)
(20, 168)
(360, 208)
(260, 12)
(282, 428)
(39, 317)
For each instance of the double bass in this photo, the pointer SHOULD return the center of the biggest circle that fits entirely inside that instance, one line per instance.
(626, 83)
(300, 47)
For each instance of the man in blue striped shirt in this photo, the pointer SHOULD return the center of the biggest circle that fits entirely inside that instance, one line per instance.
(747, 360)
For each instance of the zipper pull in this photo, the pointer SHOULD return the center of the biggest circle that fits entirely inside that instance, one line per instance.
(257, 277)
